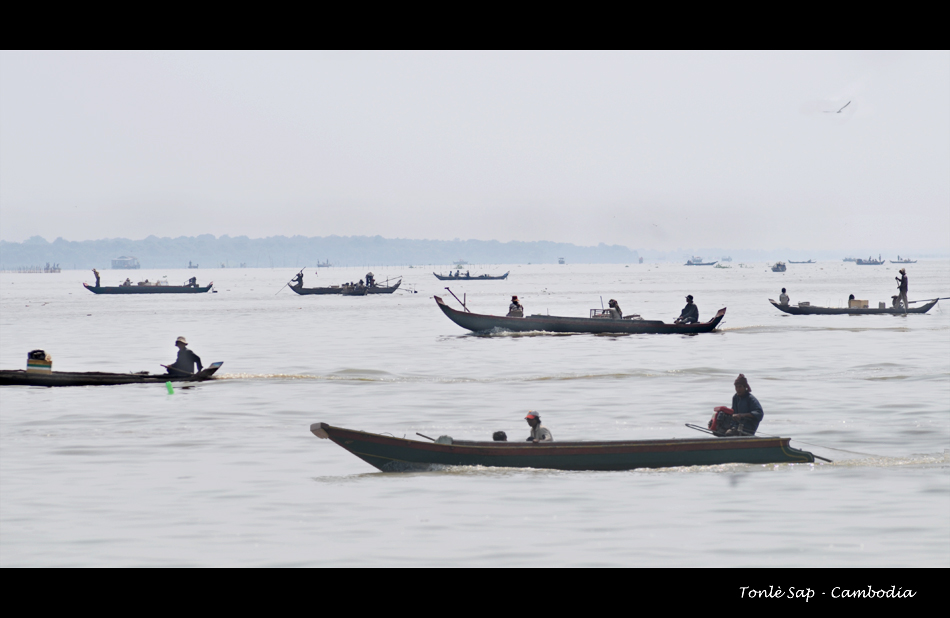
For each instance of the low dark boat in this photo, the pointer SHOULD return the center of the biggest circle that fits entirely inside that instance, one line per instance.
(807, 262)
(348, 290)
(813, 310)
(698, 261)
(861, 262)
(451, 277)
(148, 289)
(477, 322)
(779, 267)
(97, 378)
(391, 454)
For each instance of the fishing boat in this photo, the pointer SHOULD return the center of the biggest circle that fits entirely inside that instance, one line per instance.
(806, 262)
(348, 290)
(148, 289)
(869, 262)
(809, 309)
(599, 322)
(698, 261)
(467, 277)
(720, 265)
(561, 261)
(97, 378)
(778, 267)
(391, 454)
(849, 259)
(903, 261)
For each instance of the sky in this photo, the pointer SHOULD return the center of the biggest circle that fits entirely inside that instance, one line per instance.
(644, 149)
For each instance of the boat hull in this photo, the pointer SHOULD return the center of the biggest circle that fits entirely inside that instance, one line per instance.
(96, 378)
(391, 454)
(796, 310)
(347, 291)
(464, 278)
(548, 323)
(147, 289)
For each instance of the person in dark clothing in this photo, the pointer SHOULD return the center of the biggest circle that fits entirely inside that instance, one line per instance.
(690, 313)
(297, 281)
(96, 273)
(902, 287)
(186, 360)
(746, 410)
(193, 282)
(499, 436)
(515, 310)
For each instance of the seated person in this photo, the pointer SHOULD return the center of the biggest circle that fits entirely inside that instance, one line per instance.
(615, 311)
(185, 365)
(690, 313)
(515, 310)
(747, 411)
(783, 298)
(539, 433)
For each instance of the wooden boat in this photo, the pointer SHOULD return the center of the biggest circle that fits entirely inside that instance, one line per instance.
(391, 454)
(477, 322)
(904, 261)
(807, 262)
(97, 378)
(813, 310)
(451, 277)
(871, 262)
(348, 290)
(148, 289)
(698, 261)
(778, 267)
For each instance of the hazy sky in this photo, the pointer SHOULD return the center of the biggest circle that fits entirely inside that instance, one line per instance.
(648, 150)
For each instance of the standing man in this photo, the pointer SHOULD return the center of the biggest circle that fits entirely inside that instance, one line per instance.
(185, 365)
(690, 313)
(539, 433)
(902, 286)
(96, 273)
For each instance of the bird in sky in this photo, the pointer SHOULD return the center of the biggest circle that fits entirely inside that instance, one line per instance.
(842, 107)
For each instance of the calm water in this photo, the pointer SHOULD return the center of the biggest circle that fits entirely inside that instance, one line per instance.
(227, 473)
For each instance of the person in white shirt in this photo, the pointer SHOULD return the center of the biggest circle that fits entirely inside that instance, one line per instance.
(539, 433)
(783, 299)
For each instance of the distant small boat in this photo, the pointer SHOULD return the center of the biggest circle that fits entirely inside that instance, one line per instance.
(778, 267)
(871, 262)
(561, 261)
(391, 454)
(726, 259)
(327, 264)
(903, 261)
(808, 262)
(97, 378)
(466, 277)
(806, 309)
(347, 290)
(698, 261)
(148, 289)
(849, 259)
(721, 266)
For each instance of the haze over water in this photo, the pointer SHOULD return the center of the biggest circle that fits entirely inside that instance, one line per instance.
(227, 472)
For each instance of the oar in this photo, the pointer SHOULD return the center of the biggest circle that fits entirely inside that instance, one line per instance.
(928, 300)
(457, 298)
(425, 436)
(286, 284)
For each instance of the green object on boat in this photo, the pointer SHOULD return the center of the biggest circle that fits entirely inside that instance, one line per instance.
(168, 385)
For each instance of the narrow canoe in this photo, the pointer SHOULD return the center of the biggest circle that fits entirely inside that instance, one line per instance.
(478, 322)
(348, 290)
(97, 378)
(391, 454)
(903, 261)
(147, 289)
(692, 263)
(813, 310)
(470, 278)
(806, 262)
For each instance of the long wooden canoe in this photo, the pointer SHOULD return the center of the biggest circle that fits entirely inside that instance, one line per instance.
(348, 290)
(98, 378)
(813, 310)
(391, 454)
(470, 278)
(147, 289)
(478, 322)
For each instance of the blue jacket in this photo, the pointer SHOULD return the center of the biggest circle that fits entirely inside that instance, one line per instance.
(748, 404)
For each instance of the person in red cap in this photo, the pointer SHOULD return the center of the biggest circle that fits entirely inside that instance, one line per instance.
(539, 433)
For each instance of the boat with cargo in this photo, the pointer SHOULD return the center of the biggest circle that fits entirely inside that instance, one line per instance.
(859, 308)
(10, 377)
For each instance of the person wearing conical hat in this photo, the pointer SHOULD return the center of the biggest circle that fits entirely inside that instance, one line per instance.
(185, 365)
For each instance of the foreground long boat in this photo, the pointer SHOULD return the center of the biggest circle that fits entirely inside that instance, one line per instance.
(97, 378)
(391, 454)
(813, 310)
(348, 290)
(148, 289)
(470, 278)
(478, 322)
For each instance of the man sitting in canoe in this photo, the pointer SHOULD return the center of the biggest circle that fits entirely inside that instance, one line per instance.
(515, 310)
(186, 360)
(746, 409)
(783, 297)
(539, 433)
(615, 311)
(297, 281)
(690, 313)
